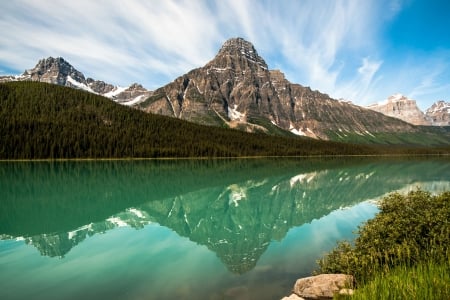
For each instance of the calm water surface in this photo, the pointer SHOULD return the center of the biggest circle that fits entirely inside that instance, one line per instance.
(186, 229)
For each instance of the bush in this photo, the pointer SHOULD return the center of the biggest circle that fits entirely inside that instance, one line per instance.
(409, 229)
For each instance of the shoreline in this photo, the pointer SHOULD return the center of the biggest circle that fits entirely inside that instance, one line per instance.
(222, 157)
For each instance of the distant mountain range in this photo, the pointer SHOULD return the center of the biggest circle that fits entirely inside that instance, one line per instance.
(401, 107)
(60, 72)
(237, 90)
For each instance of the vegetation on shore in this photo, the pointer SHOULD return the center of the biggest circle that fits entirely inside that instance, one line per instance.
(402, 253)
(45, 121)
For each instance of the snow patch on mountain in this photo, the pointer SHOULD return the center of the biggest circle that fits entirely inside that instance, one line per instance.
(235, 115)
(116, 91)
(79, 85)
(134, 101)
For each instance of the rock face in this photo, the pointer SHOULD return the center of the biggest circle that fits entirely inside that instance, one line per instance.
(323, 286)
(439, 113)
(59, 71)
(403, 108)
(236, 89)
(56, 71)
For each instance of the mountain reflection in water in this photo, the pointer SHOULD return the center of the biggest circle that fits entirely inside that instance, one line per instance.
(233, 207)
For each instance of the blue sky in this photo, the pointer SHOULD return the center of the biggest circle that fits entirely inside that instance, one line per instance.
(361, 50)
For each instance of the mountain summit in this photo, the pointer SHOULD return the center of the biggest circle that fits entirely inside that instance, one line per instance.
(439, 113)
(237, 51)
(59, 71)
(56, 71)
(236, 89)
(401, 107)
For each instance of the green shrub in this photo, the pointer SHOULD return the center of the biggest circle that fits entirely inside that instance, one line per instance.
(409, 229)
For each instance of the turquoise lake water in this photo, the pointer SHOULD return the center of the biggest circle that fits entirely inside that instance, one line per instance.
(186, 229)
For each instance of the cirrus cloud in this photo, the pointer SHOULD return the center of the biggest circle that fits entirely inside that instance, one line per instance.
(343, 48)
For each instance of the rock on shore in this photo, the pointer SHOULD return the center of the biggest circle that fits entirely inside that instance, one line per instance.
(323, 286)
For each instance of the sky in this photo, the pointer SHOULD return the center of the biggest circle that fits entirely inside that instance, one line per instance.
(358, 50)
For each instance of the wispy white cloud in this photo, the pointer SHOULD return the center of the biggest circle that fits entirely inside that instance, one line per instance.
(128, 37)
(333, 46)
(362, 83)
(430, 83)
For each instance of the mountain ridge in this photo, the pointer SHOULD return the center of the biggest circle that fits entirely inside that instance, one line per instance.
(48, 121)
(406, 109)
(236, 89)
(60, 72)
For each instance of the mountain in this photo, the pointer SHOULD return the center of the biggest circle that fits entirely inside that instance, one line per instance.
(439, 113)
(41, 120)
(236, 89)
(59, 71)
(403, 108)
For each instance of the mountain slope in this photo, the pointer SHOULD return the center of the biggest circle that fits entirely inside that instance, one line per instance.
(236, 89)
(59, 71)
(42, 120)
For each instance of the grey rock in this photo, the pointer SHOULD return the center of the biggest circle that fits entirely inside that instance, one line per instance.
(439, 113)
(323, 286)
(99, 87)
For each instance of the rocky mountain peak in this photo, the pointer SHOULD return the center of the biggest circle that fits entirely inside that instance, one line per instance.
(237, 52)
(59, 71)
(439, 113)
(397, 97)
(237, 90)
(237, 46)
(54, 70)
(401, 107)
(440, 105)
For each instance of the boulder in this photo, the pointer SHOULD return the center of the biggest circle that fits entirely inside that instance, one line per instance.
(323, 286)
(293, 297)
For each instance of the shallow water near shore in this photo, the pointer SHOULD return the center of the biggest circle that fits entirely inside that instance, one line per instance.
(186, 229)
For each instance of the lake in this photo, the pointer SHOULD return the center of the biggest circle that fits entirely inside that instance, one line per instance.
(187, 229)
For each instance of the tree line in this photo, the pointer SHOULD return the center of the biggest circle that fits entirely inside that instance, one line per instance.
(46, 121)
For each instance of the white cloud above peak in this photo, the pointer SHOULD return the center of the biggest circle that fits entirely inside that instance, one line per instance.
(343, 48)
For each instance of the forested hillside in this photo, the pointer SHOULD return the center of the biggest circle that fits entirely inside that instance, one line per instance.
(40, 120)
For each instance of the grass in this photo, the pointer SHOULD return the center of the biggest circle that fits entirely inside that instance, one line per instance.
(426, 280)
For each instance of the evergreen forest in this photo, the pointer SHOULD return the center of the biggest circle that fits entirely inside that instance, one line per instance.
(46, 121)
